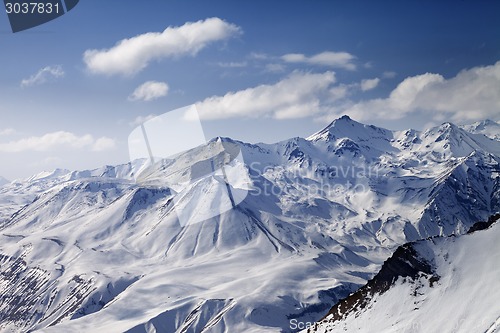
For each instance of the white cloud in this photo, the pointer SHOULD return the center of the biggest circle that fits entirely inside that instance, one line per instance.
(399, 103)
(149, 91)
(472, 94)
(232, 64)
(389, 75)
(275, 68)
(339, 92)
(56, 140)
(328, 58)
(48, 161)
(368, 65)
(258, 56)
(7, 132)
(43, 75)
(294, 57)
(132, 55)
(298, 95)
(103, 144)
(369, 84)
(141, 119)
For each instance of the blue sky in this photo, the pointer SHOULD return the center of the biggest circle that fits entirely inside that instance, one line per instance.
(258, 71)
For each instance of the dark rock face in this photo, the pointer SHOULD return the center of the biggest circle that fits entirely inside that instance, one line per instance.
(405, 262)
(484, 225)
(30, 287)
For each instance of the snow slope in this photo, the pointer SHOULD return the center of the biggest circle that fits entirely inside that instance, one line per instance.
(459, 293)
(96, 248)
(487, 127)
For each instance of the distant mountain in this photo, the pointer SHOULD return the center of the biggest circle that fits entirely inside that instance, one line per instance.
(3, 181)
(96, 248)
(487, 127)
(443, 284)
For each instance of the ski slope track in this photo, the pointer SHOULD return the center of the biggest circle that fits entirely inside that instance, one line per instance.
(81, 250)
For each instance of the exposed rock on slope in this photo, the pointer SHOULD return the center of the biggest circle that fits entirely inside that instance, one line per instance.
(418, 288)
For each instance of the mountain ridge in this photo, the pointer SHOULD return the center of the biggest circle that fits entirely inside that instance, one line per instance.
(3, 181)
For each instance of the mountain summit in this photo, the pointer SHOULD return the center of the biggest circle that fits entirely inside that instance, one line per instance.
(3, 181)
(345, 127)
(487, 127)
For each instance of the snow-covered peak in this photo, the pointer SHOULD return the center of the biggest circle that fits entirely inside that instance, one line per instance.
(48, 175)
(3, 181)
(57, 176)
(121, 171)
(449, 140)
(407, 139)
(345, 127)
(366, 141)
(445, 130)
(487, 127)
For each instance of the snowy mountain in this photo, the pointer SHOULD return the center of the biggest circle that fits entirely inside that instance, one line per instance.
(443, 284)
(487, 127)
(3, 181)
(312, 220)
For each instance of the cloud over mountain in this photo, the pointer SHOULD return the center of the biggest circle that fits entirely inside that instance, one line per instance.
(130, 56)
(471, 95)
(295, 96)
(60, 139)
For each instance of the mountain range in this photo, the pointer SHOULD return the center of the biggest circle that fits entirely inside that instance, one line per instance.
(316, 219)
